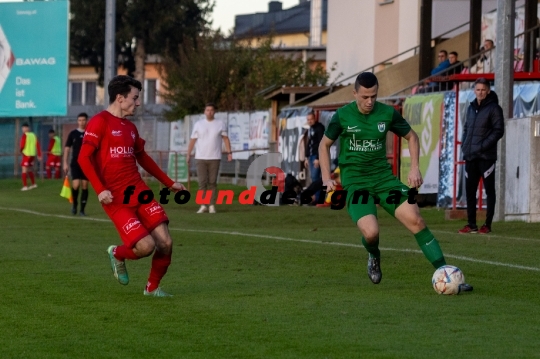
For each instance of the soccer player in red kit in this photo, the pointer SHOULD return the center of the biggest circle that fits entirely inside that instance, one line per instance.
(109, 154)
(29, 148)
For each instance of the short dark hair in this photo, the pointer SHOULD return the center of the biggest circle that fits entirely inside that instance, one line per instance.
(83, 114)
(444, 52)
(25, 124)
(482, 80)
(210, 104)
(51, 131)
(121, 85)
(312, 113)
(492, 43)
(366, 80)
(454, 53)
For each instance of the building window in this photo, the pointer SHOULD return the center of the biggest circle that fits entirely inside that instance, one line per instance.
(151, 92)
(76, 93)
(90, 96)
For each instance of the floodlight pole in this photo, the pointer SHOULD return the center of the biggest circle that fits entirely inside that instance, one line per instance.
(504, 86)
(110, 31)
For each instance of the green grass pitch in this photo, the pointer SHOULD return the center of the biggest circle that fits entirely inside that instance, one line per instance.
(258, 282)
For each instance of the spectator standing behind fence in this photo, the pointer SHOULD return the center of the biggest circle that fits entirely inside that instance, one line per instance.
(444, 63)
(486, 62)
(315, 134)
(483, 128)
(53, 155)
(207, 137)
(29, 148)
(78, 179)
(456, 67)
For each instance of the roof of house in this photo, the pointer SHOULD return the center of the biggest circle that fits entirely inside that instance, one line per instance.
(287, 21)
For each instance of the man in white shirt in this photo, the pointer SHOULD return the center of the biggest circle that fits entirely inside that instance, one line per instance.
(207, 137)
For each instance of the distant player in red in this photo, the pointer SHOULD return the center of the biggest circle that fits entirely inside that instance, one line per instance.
(53, 155)
(29, 148)
(109, 155)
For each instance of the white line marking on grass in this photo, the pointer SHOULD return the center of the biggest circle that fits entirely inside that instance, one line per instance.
(479, 236)
(468, 259)
(500, 264)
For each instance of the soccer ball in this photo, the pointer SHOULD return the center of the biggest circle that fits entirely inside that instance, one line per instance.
(447, 280)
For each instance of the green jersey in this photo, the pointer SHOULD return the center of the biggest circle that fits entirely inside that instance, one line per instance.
(362, 155)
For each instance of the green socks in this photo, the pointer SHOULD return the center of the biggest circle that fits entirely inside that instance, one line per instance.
(430, 247)
(373, 249)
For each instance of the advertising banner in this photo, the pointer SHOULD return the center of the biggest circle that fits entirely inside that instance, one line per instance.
(424, 115)
(239, 130)
(33, 58)
(258, 132)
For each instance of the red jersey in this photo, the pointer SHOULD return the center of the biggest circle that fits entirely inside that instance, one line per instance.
(113, 164)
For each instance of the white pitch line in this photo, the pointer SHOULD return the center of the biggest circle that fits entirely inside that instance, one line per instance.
(468, 259)
(478, 236)
(500, 264)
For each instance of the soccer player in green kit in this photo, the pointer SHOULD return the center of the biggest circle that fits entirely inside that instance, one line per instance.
(362, 126)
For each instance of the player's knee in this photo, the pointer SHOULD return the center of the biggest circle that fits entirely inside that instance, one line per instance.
(144, 247)
(370, 234)
(165, 246)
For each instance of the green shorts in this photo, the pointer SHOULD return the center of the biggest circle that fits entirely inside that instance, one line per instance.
(387, 191)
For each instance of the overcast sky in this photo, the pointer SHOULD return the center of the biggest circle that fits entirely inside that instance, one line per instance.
(225, 10)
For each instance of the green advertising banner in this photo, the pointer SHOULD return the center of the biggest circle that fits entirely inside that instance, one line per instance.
(424, 114)
(178, 168)
(33, 58)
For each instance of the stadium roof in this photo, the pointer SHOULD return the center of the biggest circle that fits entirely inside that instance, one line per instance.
(289, 21)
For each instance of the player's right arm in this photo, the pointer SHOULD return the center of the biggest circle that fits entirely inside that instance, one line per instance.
(330, 136)
(91, 142)
(324, 162)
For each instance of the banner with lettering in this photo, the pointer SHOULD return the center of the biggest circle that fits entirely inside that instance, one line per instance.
(33, 58)
(423, 113)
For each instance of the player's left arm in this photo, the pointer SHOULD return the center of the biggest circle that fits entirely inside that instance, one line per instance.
(415, 177)
(150, 166)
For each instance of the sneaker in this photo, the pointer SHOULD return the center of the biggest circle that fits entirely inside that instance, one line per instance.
(212, 209)
(158, 292)
(484, 229)
(202, 209)
(465, 288)
(468, 229)
(73, 210)
(374, 270)
(118, 267)
(82, 214)
(33, 186)
(25, 188)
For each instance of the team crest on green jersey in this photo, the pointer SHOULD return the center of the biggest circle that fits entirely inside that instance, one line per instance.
(381, 126)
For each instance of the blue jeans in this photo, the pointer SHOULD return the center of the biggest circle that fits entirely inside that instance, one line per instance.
(315, 173)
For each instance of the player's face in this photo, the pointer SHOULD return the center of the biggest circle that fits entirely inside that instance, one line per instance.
(81, 122)
(25, 129)
(365, 98)
(481, 91)
(209, 112)
(130, 103)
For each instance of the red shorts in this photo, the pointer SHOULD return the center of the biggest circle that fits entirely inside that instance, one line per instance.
(135, 223)
(53, 161)
(27, 161)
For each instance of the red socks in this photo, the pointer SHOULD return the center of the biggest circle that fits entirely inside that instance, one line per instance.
(49, 173)
(24, 179)
(31, 174)
(122, 253)
(160, 264)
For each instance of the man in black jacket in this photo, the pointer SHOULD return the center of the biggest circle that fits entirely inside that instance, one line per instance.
(313, 138)
(483, 128)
